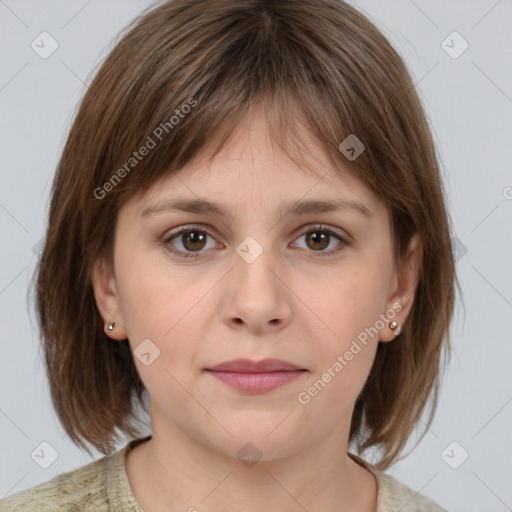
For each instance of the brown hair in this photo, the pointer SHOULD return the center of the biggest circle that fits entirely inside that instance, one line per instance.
(317, 62)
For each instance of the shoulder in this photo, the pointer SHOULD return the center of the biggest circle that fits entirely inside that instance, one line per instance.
(397, 496)
(75, 490)
(394, 496)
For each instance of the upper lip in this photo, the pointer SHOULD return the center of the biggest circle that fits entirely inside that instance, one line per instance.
(248, 366)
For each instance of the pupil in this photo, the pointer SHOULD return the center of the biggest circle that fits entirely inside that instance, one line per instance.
(320, 238)
(195, 239)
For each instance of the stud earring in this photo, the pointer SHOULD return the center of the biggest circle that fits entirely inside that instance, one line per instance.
(395, 326)
(111, 326)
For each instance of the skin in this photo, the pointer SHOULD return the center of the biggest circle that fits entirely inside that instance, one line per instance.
(290, 303)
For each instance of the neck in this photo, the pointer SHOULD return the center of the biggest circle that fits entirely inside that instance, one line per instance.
(175, 471)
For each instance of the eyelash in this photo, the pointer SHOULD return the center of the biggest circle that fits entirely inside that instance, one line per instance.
(197, 228)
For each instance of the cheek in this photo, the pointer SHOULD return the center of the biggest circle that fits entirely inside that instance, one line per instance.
(350, 307)
(171, 310)
(350, 304)
(344, 361)
(153, 300)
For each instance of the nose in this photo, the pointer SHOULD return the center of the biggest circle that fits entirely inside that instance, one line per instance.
(256, 298)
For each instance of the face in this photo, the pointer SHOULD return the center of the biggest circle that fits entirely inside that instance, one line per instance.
(314, 289)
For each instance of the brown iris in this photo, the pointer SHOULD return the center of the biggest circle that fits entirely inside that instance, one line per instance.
(318, 237)
(193, 240)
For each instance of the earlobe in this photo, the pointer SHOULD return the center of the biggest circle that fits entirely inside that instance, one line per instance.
(391, 330)
(107, 299)
(395, 326)
(402, 297)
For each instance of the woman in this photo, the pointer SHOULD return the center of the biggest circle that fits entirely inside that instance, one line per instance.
(247, 229)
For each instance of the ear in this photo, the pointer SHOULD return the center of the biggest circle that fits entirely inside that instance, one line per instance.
(107, 299)
(403, 290)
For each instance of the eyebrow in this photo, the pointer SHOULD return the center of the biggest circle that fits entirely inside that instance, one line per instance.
(295, 208)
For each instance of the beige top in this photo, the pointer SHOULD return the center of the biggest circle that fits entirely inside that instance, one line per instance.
(102, 485)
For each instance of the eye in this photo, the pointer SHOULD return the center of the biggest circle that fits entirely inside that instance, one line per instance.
(319, 237)
(193, 239)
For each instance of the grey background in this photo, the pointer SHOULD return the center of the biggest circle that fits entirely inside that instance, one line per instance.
(469, 104)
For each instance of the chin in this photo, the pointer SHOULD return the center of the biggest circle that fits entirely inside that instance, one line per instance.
(255, 444)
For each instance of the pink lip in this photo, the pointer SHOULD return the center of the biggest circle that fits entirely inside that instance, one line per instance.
(248, 366)
(256, 376)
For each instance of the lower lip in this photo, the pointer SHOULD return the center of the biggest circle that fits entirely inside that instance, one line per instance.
(257, 382)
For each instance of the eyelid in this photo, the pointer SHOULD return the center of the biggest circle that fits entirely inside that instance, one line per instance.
(184, 229)
(344, 239)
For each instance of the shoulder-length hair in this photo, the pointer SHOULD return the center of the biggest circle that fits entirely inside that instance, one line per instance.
(186, 73)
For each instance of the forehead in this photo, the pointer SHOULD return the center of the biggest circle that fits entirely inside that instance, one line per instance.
(252, 169)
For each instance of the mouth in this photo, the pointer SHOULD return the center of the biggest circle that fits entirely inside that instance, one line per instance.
(256, 377)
